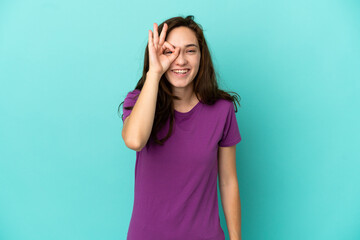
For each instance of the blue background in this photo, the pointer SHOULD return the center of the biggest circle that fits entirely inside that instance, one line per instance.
(65, 66)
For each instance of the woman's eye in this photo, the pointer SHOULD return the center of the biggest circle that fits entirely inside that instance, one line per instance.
(171, 52)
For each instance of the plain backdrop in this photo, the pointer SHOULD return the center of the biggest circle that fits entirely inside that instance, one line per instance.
(65, 66)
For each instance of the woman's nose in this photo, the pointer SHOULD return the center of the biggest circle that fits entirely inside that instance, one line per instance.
(180, 59)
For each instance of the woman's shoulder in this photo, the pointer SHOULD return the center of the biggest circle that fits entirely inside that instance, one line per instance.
(134, 92)
(220, 107)
(223, 103)
(132, 96)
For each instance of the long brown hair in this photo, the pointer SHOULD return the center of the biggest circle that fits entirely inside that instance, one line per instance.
(205, 82)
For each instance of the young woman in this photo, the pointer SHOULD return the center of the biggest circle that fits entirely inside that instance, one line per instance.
(184, 131)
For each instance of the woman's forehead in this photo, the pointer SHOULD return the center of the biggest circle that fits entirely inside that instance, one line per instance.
(182, 37)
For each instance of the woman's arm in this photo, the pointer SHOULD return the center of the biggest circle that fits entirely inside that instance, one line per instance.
(137, 126)
(229, 190)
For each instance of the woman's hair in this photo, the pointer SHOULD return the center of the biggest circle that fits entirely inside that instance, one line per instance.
(205, 82)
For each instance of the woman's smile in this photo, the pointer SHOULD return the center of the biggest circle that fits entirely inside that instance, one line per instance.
(181, 73)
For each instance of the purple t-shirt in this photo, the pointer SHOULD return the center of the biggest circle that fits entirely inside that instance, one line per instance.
(176, 184)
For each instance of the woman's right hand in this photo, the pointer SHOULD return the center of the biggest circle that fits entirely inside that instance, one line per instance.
(159, 63)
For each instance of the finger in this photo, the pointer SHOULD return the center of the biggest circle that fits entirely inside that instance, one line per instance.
(169, 46)
(151, 44)
(177, 50)
(163, 34)
(175, 54)
(156, 35)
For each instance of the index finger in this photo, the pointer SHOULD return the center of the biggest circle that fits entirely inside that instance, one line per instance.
(169, 46)
(163, 34)
(150, 43)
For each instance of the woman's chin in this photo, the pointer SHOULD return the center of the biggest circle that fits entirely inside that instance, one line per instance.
(179, 82)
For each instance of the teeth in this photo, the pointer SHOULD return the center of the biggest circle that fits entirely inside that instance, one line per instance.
(181, 71)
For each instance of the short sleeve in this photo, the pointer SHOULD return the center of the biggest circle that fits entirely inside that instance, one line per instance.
(130, 101)
(231, 134)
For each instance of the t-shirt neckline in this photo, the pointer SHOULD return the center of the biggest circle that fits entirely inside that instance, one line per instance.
(183, 114)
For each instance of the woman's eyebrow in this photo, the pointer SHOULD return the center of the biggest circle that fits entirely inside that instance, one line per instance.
(191, 45)
(188, 45)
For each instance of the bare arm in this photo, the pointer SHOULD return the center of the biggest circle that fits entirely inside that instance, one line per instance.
(138, 125)
(229, 191)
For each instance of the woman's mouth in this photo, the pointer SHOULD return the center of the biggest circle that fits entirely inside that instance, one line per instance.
(181, 73)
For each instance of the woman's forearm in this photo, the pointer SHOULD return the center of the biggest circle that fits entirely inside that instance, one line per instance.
(230, 200)
(137, 130)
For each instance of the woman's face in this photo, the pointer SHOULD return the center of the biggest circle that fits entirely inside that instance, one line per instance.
(188, 58)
